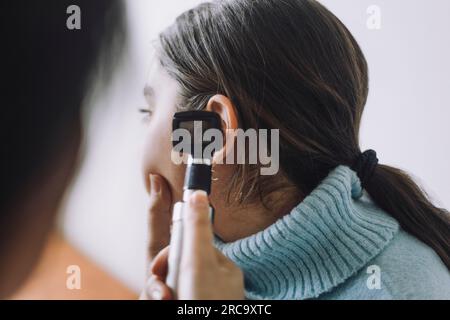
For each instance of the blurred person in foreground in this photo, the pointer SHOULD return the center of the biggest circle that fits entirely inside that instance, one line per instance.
(47, 66)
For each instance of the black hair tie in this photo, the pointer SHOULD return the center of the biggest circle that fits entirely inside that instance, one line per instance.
(365, 165)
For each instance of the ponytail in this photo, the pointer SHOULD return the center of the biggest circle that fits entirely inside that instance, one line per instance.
(395, 192)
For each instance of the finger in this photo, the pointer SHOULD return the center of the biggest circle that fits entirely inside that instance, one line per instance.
(159, 216)
(160, 264)
(157, 290)
(198, 235)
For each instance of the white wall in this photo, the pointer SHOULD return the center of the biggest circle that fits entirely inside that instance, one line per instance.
(405, 121)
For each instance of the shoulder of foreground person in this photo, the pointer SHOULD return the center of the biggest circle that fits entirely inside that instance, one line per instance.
(406, 269)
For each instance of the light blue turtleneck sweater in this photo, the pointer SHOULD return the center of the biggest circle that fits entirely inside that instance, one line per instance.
(336, 244)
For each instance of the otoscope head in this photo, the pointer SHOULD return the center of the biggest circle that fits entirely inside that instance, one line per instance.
(196, 123)
(198, 172)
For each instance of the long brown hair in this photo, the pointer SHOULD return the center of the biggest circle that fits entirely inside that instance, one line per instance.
(292, 65)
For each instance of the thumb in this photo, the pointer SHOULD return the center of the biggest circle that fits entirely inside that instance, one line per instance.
(198, 234)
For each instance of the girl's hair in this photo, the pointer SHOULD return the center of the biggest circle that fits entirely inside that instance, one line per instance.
(292, 65)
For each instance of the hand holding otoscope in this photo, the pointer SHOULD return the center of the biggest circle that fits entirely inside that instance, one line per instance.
(191, 267)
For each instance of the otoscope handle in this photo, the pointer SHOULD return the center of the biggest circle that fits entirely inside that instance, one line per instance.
(176, 241)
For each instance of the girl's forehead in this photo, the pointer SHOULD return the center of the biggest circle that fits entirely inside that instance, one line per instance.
(157, 77)
(154, 72)
(160, 88)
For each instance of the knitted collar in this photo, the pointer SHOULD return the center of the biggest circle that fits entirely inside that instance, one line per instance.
(334, 232)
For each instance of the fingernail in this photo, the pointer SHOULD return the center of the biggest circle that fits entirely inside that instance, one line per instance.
(155, 185)
(199, 198)
(156, 294)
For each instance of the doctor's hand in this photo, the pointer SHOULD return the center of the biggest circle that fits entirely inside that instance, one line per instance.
(205, 272)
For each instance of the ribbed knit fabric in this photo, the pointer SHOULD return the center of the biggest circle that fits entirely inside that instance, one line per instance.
(333, 233)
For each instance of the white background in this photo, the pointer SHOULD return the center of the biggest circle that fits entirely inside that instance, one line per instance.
(406, 121)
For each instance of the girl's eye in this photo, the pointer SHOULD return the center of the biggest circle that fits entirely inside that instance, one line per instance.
(146, 111)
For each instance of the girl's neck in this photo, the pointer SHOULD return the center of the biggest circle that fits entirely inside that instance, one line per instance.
(235, 221)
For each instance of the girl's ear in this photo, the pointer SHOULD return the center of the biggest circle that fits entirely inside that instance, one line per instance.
(223, 106)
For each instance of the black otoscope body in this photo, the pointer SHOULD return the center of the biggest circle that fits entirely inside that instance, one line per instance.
(198, 177)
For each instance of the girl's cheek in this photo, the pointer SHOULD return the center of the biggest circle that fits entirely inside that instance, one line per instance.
(157, 160)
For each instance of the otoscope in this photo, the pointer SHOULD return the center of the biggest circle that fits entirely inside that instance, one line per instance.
(197, 177)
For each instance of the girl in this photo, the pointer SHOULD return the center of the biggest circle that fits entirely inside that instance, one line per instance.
(332, 214)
